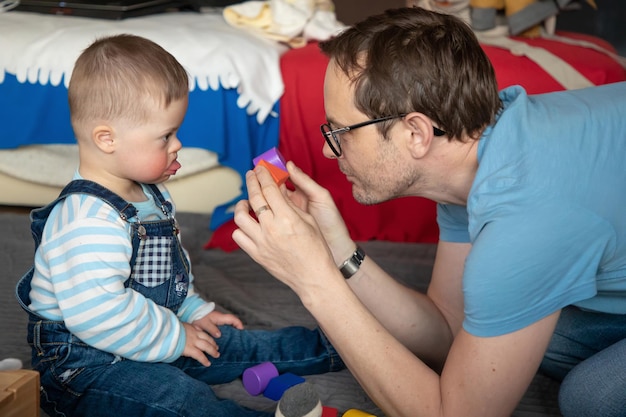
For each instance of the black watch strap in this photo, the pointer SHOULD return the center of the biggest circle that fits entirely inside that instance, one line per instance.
(353, 263)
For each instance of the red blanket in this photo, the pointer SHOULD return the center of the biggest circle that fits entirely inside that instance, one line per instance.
(406, 219)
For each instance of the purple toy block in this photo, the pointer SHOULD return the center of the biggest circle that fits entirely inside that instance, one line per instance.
(273, 156)
(256, 378)
(277, 386)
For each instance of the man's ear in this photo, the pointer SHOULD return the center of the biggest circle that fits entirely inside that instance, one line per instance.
(421, 133)
(103, 137)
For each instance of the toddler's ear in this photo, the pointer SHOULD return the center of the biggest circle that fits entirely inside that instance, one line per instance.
(103, 138)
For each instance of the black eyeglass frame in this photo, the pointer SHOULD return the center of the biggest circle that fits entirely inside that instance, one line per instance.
(329, 133)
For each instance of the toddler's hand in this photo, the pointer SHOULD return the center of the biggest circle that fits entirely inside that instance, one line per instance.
(198, 344)
(210, 322)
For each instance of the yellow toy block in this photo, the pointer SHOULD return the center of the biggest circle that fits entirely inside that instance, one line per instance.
(353, 412)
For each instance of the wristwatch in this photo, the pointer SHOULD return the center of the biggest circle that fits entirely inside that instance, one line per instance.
(353, 263)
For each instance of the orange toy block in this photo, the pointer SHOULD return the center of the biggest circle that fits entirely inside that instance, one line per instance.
(280, 176)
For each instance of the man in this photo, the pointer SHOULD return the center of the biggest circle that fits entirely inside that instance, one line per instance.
(531, 265)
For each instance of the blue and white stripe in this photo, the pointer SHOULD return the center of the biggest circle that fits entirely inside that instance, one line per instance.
(80, 270)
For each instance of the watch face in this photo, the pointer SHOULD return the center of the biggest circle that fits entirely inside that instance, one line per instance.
(353, 263)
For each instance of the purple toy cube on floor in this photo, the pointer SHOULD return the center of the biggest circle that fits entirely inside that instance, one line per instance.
(256, 378)
(277, 386)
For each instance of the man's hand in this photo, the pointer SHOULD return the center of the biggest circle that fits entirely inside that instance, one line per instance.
(318, 202)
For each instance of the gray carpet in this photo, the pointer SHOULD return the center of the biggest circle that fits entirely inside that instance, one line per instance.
(240, 286)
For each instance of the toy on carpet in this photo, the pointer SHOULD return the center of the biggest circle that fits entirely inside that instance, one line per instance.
(301, 400)
(10, 364)
(275, 164)
(329, 411)
(264, 378)
(256, 378)
(297, 398)
(277, 386)
(19, 392)
(353, 412)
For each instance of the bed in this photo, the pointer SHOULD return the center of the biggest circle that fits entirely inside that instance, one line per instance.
(233, 103)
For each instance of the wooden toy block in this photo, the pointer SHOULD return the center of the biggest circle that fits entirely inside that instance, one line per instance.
(277, 386)
(19, 393)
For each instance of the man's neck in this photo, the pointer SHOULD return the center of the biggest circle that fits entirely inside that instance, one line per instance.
(450, 171)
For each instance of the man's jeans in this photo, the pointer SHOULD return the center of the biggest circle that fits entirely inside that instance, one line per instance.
(588, 354)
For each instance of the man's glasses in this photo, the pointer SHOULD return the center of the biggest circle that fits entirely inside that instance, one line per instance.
(332, 136)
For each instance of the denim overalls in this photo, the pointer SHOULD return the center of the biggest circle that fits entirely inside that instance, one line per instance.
(78, 379)
(159, 268)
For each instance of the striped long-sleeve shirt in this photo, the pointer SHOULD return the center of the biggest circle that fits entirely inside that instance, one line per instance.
(80, 269)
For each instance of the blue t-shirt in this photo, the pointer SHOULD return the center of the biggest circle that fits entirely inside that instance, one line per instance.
(546, 214)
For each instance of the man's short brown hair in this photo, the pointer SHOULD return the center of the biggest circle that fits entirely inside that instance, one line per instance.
(412, 59)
